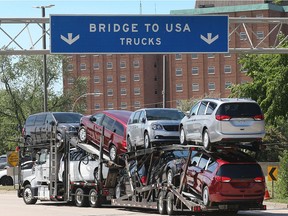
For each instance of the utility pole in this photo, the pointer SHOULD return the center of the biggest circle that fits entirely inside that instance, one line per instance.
(45, 108)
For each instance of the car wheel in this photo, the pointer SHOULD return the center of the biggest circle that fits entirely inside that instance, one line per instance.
(147, 143)
(206, 140)
(205, 196)
(6, 180)
(80, 199)
(169, 176)
(129, 145)
(161, 204)
(113, 153)
(94, 201)
(28, 196)
(170, 203)
(183, 140)
(82, 134)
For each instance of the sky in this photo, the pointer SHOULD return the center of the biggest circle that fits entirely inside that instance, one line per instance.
(23, 8)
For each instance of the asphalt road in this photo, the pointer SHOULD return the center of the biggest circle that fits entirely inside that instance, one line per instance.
(11, 205)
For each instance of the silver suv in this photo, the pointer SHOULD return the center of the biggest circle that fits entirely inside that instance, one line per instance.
(153, 125)
(223, 120)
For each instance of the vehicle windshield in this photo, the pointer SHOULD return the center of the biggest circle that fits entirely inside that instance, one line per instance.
(164, 114)
(67, 117)
(240, 171)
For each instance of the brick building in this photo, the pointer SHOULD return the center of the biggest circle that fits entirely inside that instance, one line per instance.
(135, 81)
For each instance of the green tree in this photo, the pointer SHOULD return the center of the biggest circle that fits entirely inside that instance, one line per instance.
(281, 183)
(21, 92)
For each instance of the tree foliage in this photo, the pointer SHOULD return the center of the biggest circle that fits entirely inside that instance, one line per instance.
(281, 184)
(21, 91)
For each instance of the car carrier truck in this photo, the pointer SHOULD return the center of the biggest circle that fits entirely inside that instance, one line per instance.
(123, 186)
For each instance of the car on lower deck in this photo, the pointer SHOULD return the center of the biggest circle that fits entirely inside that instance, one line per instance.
(226, 177)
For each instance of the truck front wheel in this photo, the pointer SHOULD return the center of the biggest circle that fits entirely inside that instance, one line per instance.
(28, 195)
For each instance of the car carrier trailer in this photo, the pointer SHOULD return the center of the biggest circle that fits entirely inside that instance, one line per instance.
(162, 196)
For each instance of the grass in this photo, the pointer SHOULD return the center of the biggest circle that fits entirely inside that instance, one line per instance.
(7, 188)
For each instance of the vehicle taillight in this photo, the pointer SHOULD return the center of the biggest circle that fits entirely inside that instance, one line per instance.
(259, 179)
(223, 179)
(223, 117)
(124, 143)
(258, 117)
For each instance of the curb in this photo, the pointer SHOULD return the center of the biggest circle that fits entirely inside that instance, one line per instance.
(274, 205)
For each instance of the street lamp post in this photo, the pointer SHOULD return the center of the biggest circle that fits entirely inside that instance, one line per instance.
(44, 57)
(84, 95)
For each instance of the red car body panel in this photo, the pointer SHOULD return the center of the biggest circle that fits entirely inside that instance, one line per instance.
(94, 130)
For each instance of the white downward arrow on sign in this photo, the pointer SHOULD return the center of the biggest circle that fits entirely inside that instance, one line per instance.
(209, 38)
(70, 40)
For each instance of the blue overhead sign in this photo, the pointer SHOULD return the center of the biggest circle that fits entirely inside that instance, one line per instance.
(138, 34)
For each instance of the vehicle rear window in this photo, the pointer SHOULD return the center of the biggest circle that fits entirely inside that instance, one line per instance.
(239, 109)
(240, 171)
(67, 117)
(30, 120)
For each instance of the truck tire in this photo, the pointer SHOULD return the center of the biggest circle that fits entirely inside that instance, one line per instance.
(80, 199)
(6, 180)
(94, 201)
(28, 195)
(170, 203)
(161, 204)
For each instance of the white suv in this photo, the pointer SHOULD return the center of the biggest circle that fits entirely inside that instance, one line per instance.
(223, 120)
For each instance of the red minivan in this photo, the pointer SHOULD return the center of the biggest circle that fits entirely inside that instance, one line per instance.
(226, 177)
(114, 123)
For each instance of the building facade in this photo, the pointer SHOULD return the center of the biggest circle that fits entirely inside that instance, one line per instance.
(130, 81)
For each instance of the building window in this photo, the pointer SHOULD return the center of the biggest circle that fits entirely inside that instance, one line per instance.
(195, 70)
(96, 55)
(243, 36)
(96, 66)
(178, 71)
(109, 92)
(228, 85)
(211, 70)
(178, 56)
(122, 64)
(194, 56)
(136, 77)
(110, 105)
(70, 80)
(97, 93)
(82, 56)
(137, 104)
(136, 64)
(227, 69)
(109, 79)
(123, 91)
(70, 67)
(123, 78)
(96, 79)
(179, 87)
(211, 55)
(260, 34)
(195, 87)
(259, 15)
(82, 66)
(226, 55)
(123, 105)
(211, 86)
(97, 106)
(109, 65)
(136, 91)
